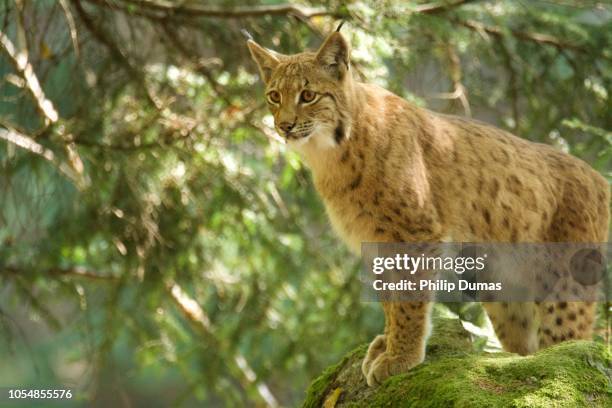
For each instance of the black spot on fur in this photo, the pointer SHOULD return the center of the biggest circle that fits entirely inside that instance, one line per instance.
(377, 196)
(514, 237)
(339, 133)
(487, 216)
(416, 305)
(494, 189)
(356, 182)
(344, 156)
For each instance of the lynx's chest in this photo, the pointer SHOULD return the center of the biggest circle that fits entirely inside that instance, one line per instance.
(349, 226)
(341, 187)
(359, 217)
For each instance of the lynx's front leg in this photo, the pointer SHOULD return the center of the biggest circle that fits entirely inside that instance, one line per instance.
(407, 327)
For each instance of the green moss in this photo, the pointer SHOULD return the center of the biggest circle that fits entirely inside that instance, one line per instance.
(569, 374)
(320, 387)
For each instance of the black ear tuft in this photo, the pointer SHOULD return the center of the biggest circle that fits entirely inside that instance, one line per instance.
(340, 26)
(246, 34)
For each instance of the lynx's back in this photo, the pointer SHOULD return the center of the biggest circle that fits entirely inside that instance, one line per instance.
(408, 174)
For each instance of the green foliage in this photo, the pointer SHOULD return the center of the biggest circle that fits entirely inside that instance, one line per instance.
(163, 172)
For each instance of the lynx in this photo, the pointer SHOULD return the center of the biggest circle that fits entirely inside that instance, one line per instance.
(389, 171)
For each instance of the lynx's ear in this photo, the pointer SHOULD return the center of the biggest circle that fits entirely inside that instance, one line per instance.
(266, 60)
(334, 55)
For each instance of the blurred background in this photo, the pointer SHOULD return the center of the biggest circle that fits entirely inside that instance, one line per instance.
(160, 246)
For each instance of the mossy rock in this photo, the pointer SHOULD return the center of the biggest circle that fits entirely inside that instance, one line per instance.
(570, 374)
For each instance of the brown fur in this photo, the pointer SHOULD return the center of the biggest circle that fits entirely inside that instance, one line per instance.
(389, 171)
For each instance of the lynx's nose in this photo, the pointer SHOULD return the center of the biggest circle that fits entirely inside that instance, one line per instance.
(286, 126)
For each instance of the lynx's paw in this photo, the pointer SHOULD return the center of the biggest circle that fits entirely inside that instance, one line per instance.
(377, 347)
(387, 365)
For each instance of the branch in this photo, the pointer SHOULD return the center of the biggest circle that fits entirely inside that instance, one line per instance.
(27, 143)
(195, 10)
(194, 313)
(76, 271)
(183, 50)
(166, 136)
(81, 272)
(436, 8)
(456, 74)
(19, 60)
(513, 88)
(538, 38)
(21, 64)
(115, 51)
(73, 170)
(170, 119)
(71, 26)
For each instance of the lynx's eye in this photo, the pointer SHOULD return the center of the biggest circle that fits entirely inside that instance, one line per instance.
(274, 97)
(307, 96)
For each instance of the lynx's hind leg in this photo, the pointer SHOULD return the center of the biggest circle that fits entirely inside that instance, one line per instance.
(516, 325)
(583, 215)
(566, 321)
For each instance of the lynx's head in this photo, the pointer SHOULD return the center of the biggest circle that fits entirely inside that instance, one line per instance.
(308, 93)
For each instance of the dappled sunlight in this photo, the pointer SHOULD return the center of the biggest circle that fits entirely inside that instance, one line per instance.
(162, 244)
